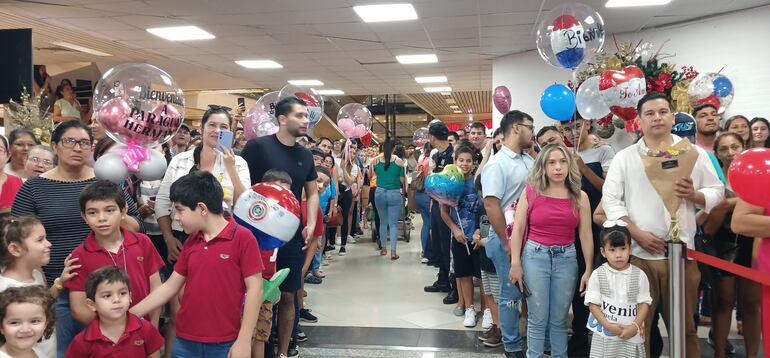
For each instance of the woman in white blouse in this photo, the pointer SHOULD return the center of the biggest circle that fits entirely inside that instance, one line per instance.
(67, 108)
(231, 171)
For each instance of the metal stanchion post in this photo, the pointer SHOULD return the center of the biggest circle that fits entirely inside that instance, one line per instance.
(676, 289)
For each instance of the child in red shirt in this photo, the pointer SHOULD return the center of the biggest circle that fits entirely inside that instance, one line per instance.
(114, 332)
(218, 265)
(103, 207)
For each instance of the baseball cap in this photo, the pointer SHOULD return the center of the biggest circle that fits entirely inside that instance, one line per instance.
(185, 125)
(438, 129)
(684, 125)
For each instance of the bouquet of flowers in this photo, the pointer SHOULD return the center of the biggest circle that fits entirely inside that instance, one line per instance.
(28, 114)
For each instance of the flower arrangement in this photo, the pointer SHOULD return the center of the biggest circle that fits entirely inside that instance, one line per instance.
(29, 115)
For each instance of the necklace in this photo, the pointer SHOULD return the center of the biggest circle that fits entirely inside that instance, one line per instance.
(115, 262)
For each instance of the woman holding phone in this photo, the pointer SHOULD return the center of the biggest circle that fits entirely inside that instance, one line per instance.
(231, 171)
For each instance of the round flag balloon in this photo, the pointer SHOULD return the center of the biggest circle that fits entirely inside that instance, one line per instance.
(270, 212)
(567, 42)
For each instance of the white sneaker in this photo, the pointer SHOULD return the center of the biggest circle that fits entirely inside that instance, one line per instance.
(470, 317)
(486, 320)
(338, 241)
(351, 240)
(424, 261)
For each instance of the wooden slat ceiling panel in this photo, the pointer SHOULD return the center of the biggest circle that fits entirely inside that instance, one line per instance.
(477, 102)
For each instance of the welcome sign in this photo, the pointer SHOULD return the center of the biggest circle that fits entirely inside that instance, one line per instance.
(615, 313)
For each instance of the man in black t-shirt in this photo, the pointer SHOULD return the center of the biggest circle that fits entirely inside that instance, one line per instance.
(440, 234)
(281, 151)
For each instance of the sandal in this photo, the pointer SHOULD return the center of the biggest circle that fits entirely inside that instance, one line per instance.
(393, 256)
(383, 252)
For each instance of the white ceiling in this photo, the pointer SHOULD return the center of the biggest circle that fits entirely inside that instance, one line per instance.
(315, 39)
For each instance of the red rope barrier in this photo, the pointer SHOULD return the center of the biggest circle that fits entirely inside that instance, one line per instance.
(728, 266)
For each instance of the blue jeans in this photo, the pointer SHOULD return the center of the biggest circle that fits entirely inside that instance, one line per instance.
(185, 349)
(315, 265)
(389, 205)
(423, 205)
(550, 273)
(510, 296)
(66, 326)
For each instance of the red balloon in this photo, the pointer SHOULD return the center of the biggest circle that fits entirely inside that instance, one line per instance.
(749, 174)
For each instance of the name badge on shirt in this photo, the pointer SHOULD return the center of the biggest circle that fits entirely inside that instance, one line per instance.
(670, 164)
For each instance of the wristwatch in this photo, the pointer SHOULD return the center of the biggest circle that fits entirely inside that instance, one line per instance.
(57, 284)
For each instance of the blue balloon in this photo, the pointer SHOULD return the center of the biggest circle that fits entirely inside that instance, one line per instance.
(722, 86)
(558, 102)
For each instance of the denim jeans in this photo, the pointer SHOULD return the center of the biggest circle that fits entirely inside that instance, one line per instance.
(389, 205)
(510, 296)
(550, 273)
(185, 349)
(66, 326)
(423, 204)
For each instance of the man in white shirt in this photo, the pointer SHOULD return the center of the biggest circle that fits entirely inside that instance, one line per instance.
(628, 195)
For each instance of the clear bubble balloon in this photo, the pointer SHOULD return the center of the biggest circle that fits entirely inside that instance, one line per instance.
(313, 101)
(255, 122)
(267, 103)
(712, 88)
(645, 51)
(354, 120)
(139, 103)
(420, 137)
(589, 101)
(569, 34)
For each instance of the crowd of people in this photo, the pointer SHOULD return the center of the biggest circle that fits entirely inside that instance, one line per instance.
(553, 225)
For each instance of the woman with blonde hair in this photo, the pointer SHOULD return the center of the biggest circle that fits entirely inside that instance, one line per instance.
(543, 255)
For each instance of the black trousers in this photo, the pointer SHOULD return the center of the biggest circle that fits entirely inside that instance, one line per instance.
(344, 200)
(440, 242)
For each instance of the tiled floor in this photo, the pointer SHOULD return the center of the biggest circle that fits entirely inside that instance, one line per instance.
(370, 306)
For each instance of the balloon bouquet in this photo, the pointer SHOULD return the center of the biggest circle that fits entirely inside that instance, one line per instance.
(446, 187)
(712, 88)
(272, 213)
(260, 119)
(140, 107)
(355, 121)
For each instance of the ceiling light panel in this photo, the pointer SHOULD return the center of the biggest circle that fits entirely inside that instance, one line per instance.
(633, 3)
(431, 79)
(259, 64)
(416, 59)
(386, 12)
(306, 82)
(181, 33)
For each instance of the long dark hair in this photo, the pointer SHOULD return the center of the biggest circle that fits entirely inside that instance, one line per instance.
(766, 144)
(387, 151)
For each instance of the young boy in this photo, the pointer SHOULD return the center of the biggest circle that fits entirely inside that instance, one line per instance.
(314, 249)
(103, 206)
(114, 332)
(218, 265)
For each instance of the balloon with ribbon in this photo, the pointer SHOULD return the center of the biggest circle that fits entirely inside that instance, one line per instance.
(621, 91)
(712, 88)
(589, 101)
(420, 137)
(748, 170)
(313, 101)
(270, 212)
(354, 120)
(569, 34)
(501, 97)
(122, 160)
(139, 103)
(558, 102)
(446, 186)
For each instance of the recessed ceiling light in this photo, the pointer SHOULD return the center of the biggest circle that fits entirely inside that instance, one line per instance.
(330, 92)
(181, 33)
(413, 59)
(454, 106)
(80, 48)
(306, 82)
(259, 64)
(431, 79)
(446, 93)
(458, 111)
(438, 89)
(630, 3)
(386, 12)
(450, 100)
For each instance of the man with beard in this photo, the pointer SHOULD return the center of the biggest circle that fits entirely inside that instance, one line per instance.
(707, 126)
(502, 181)
(478, 138)
(281, 151)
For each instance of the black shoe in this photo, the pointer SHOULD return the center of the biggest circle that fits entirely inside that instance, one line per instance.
(518, 354)
(437, 287)
(452, 297)
(306, 316)
(293, 351)
(301, 336)
(729, 347)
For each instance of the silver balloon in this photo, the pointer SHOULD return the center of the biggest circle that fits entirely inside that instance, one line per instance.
(110, 167)
(589, 101)
(153, 168)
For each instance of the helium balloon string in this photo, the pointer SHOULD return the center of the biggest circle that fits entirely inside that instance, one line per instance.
(459, 221)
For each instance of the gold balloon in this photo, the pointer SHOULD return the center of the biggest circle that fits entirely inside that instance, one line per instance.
(680, 98)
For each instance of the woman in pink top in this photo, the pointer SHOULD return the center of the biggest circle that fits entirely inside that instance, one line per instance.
(543, 256)
(754, 221)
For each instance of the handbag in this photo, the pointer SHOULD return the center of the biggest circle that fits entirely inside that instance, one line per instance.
(335, 220)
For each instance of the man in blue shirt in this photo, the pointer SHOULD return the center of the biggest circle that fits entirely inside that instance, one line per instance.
(502, 181)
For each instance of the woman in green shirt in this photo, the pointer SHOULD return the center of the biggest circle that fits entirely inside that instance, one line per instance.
(389, 196)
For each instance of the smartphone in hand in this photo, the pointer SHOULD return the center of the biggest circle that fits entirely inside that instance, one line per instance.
(241, 103)
(225, 139)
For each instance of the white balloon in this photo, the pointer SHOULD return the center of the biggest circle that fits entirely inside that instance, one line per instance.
(589, 101)
(153, 168)
(110, 167)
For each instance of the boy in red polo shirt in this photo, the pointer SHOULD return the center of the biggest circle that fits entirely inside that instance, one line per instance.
(103, 207)
(115, 332)
(218, 265)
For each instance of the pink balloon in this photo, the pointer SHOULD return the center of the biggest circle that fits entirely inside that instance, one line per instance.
(359, 131)
(502, 99)
(356, 118)
(345, 124)
(113, 114)
(254, 117)
(266, 128)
